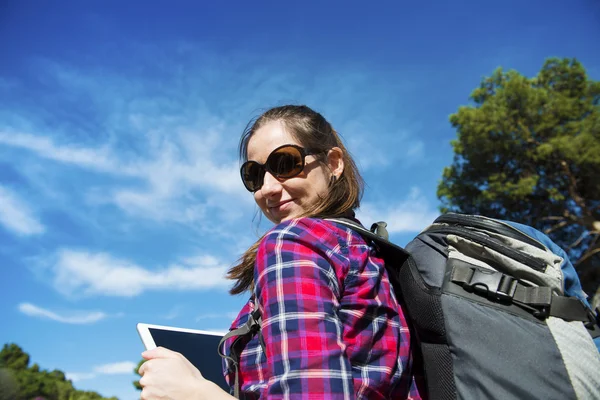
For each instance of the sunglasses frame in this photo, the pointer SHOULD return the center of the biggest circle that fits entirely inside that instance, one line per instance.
(264, 168)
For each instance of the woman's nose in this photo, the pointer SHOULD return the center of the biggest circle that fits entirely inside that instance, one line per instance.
(270, 186)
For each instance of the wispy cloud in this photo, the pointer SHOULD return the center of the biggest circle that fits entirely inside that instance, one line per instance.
(118, 368)
(100, 274)
(123, 367)
(45, 147)
(227, 315)
(177, 179)
(174, 312)
(163, 150)
(17, 216)
(77, 317)
(415, 150)
(411, 214)
(372, 150)
(79, 376)
(168, 150)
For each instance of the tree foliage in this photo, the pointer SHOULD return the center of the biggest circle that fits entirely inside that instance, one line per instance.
(136, 383)
(528, 150)
(18, 381)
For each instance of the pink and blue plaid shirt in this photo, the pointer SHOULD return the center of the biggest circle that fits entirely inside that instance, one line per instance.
(331, 324)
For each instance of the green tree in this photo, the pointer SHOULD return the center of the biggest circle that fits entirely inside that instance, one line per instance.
(13, 357)
(136, 383)
(528, 150)
(20, 382)
(8, 385)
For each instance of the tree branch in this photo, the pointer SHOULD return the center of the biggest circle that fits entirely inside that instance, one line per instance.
(552, 218)
(557, 227)
(578, 241)
(587, 255)
(587, 220)
(573, 185)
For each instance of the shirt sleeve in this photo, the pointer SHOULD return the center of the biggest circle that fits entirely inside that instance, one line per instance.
(297, 290)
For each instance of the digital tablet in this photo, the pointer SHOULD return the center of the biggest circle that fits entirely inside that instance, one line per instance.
(199, 347)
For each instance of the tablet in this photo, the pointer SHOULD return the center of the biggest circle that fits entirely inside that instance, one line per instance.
(199, 347)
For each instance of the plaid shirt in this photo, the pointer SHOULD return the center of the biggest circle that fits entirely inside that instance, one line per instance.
(330, 321)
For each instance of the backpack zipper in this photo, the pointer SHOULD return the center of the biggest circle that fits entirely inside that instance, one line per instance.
(493, 244)
(490, 225)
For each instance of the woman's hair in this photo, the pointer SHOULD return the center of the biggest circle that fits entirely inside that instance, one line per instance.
(312, 131)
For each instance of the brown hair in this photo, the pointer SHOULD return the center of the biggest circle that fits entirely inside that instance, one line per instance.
(312, 131)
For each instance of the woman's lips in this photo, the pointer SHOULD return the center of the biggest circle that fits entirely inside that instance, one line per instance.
(279, 205)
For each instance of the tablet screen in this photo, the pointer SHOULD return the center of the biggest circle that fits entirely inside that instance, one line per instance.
(200, 349)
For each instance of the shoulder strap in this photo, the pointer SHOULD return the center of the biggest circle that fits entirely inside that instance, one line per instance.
(395, 257)
(378, 235)
(251, 327)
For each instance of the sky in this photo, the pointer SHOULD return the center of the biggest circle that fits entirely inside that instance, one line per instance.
(120, 197)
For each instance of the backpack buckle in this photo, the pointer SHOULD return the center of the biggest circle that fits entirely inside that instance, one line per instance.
(379, 228)
(492, 284)
(593, 317)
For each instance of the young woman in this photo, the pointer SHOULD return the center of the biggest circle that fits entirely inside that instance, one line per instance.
(331, 327)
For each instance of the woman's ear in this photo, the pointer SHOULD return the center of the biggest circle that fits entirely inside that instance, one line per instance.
(335, 161)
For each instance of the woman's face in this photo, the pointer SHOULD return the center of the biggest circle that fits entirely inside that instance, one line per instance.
(284, 199)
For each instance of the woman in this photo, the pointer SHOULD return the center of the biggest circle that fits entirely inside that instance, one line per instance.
(331, 326)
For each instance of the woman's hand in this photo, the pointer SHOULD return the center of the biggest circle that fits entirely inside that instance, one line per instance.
(169, 375)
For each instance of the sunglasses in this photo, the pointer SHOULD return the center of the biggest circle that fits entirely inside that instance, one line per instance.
(284, 162)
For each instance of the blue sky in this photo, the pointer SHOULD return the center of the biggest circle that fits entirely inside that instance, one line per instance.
(120, 199)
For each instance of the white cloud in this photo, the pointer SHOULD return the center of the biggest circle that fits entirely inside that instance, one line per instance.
(412, 214)
(227, 315)
(170, 150)
(85, 273)
(79, 376)
(415, 150)
(123, 367)
(74, 317)
(375, 151)
(118, 368)
(209, 316)
(16, 216)
(174, 312)
(173, 168)
(45, 147)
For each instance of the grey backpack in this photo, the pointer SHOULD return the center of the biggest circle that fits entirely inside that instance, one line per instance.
(496, 308)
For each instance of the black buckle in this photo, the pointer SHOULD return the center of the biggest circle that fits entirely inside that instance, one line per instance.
(492, 284)
(593, 317)
(542, 312)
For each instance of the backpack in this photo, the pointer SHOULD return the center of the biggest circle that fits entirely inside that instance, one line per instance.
(496, 308)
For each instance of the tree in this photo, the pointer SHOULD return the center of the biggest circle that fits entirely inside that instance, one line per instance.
(13, 357)
(136, 383)
(8, 385)
(528, 150)
(20, 382)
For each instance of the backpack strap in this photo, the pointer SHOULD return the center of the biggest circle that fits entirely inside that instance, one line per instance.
(251, 327)
(378, 235)
(504, 288)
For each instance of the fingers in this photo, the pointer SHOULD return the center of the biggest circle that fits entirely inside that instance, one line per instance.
(147, 394)
(159, 352)
(143, 368)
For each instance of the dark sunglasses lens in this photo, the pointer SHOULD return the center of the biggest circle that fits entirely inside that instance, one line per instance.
(285, 162)
(251, 172)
